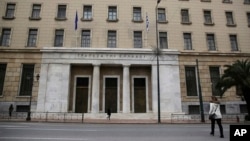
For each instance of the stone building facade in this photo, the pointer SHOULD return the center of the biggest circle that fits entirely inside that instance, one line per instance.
(93, 55)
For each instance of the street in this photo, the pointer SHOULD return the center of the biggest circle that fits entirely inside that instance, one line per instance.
(35, 131)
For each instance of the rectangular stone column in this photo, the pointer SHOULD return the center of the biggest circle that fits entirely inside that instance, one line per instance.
(154, 89)
(126, 90)
(95, 88)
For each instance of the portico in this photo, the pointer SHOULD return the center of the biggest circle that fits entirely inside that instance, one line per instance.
(91, 80)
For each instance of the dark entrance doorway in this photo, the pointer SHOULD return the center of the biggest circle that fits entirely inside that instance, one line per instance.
(82, 95)
(140, 95)
(111, 92)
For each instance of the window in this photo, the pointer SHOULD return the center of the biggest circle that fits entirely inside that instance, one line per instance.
(193, 109)
(191, 81)
(85, 38)
(10, 11)
(32, 38)
(185, 16)
(5, 40)
(61, 12)
(163, 37)
(22, 108)
(2, 76)
(87, 12)
(36, 10)
(27, 80)
(211, 42)
(137, 14)
(223, 109)
(112, 13)
(233, 41)
(207, 17)
(248, 19)
(137, 39)
(59, 38)
(227, 1)
(246, 1)
(215, 77)
(112, 39)
(161, 15)
(187, 41)
(205, 0)
(230, 21)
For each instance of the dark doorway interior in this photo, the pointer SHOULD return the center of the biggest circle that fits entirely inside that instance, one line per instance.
(82, 90)
(111, 92)
(139, 95)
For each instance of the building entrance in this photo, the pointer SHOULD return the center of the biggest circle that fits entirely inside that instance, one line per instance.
(140, 95)
(82, 94)
(111, 92)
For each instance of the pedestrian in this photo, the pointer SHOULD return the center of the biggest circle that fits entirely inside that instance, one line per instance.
(108, 113)
(10, 110)
(215, 109)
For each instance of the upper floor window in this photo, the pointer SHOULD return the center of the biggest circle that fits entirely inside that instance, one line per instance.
(161, 15)
(248, 19)
(112, 39)
(5, 38)
(230, 20)
(137, 14)
(59, 34)
(163, 38)
(32, 38)
(227, 1)
(187, 41)
(185, 19)
(207, 17)
(85, 42)
(211, 42)
(10, 11)
(233, 42)
(61, 12)
(137, 39)
(205, 0)
(87, 12)
(36, 10)
(246, 1)
(2, 77)
(112, 13)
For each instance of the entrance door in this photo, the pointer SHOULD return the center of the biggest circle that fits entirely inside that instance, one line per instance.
(140, 95)
(111, 92)
(82, 92)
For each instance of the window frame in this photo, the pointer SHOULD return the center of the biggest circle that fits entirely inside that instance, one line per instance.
(10, 11)
(138, 39)
(230, 22)
(185, 16)
(86, 38)
(6, 37)
(61, 12)
(187, 41)
(211, 40)
(87, 13)
(59, 38)
(112, 14)
(191, 89)
(208, 20)
(36, 12)
(233, 42)
(32, 37)
(112, 39)
(214, 78)
(26, 84)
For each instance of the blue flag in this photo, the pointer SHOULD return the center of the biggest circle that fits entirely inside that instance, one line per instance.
(76, 21)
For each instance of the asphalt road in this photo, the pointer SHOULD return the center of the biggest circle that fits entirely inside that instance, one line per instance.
(35, 131)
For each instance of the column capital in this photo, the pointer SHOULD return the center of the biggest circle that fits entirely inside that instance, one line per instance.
(96, 64)
(126, 65)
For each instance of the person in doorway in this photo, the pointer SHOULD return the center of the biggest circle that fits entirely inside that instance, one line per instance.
(10, 110)
(215, 109)
(108, 113)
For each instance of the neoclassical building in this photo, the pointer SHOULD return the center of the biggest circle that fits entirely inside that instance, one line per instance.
(87, 56)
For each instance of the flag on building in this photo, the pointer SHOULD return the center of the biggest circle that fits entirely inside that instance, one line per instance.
(76, 21)
(147, 22)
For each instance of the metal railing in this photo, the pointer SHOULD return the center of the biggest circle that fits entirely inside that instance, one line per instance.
(79, 117)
